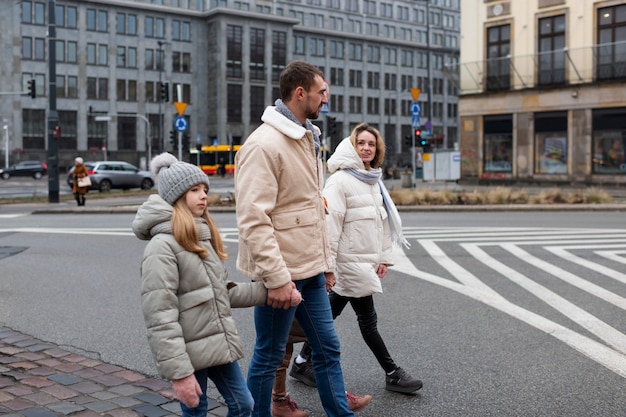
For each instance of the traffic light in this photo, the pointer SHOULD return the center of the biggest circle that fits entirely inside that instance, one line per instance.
(418, 137)
(32, 88)
(407, 141)
(165, 92)
(172, 138)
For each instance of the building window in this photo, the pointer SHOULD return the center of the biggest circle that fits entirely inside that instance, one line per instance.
(298, 45)
(356, 104)
(373, 80)
(234, 103)
(336, 77)
(352, 6)
(336, 49)
(67, 122)
(356, 78)
(120, 27)
(355, 51)
(373, 54)
(181, 62)
(126, 133)
(551, 60)
(373, 105)
(131, 29)
(498, 60)
(72, 17)
(551, 143)
(97, 88)
(234, 51)
(149, 27)
(33, 129)
(279, 53)
(257, 103)
(336, 103)
(390, 81)
(257, 54)
(40, 49)
(611, 42)
(27, 47)
(317, 47)
(498, 144)
(609, 141)
(72, 86)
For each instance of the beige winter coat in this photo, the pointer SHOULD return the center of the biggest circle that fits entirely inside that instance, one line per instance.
(280, 208)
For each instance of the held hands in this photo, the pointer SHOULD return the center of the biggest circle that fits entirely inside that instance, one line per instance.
(284, 297)
(330, 280)
(187, 390)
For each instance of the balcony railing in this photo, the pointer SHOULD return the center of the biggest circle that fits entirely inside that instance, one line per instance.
(606, 62)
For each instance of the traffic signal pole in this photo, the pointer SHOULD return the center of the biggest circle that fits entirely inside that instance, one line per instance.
(53, 116)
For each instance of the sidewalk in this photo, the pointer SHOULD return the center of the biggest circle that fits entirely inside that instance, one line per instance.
(38, 379)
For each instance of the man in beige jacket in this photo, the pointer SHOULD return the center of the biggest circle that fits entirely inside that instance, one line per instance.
(282, 237)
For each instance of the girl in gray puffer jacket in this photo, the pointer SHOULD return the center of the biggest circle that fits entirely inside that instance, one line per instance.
(186, 295)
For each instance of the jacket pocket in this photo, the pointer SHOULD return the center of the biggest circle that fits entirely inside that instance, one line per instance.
(297, 230)
(197, 313)
(361, 227)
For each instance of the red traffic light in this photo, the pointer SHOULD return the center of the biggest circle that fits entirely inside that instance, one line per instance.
(418, 133)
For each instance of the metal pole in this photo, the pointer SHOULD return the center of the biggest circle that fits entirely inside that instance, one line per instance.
(430, 91)
(160, 64)
(6, 146)
(53, 117)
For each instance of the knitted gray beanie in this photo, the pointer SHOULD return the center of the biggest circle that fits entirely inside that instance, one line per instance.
(175, 177)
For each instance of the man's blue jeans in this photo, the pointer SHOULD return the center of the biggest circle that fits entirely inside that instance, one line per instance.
(230, 382)
(272, 330)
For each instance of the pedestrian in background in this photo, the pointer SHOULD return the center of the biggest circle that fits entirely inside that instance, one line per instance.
(282, 237)
(362, 225)
(80, 171)
(186, 295)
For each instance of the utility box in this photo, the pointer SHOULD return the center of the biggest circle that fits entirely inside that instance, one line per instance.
(442, 166)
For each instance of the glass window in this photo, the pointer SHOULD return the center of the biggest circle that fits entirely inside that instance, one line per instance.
(27, 48)
(132, 25)
(103, 55)
(72, 86)
(176, 30)
(233, 112)
(131, 58)
(72, 17)
(149, 61)
(498, 144)
(72, 51)
(59, 15)
(121, 23)
(40, 49)
(186, 35)
(551, 143)
(234, 51)
(103, 17)
(609, 141)
(27, 12)
(60, 51)
(60, 84)
(40, 13)
(160, 28)
(149, 29)
(91, 19)
(257, 103)
(498, 60)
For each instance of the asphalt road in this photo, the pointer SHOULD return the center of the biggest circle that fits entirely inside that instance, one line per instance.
(500, 314)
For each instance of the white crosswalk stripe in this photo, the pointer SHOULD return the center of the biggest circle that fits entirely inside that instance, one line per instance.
(593, 252)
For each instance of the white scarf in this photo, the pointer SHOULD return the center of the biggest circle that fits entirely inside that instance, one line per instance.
(372, 177)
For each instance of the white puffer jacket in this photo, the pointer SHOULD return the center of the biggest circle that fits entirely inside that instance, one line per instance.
(358, 228)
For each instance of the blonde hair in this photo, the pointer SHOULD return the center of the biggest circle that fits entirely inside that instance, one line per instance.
(184, 230)
(380, 143)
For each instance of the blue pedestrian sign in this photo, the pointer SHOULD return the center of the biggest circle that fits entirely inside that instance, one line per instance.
(325, 108)
(180, 124)
(415, 122)
(416, 109)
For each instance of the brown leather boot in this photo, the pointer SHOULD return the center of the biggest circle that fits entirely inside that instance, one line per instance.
(358, 402)
(284, 407)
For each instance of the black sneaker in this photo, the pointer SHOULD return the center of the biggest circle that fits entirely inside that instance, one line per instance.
(400, 381)
(303, 372)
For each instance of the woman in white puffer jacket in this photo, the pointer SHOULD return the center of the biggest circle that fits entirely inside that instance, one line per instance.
(362, 224)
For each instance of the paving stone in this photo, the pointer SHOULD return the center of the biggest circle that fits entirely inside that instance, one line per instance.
(154, 384)
(39, 347)
(16, 375)
(127, 402)
(109, 380)
(66, 407)
(151, 398)
(129, 375)
(108, 368)
(68, 367)
(26, 343)
(19, 390)
(211, 405)
(65, 379)
(23, 365)
(17, 337)
(104, 395)
(5, 382)
(87, 413)
(173, 407)
(39, 412)
(82, 399)
(10, 350)
(150, 411)
(17, 405)
(8, 359)
(42, 371)
(5, 397)
(60, 392)
(100, 406)
(87, 387)
(74, 358)
(56, 352)
(122, 412)
(30, 356)
(88, 373)
(50, 362)
(126, 389)
(90, 363)
(37, 382)
(40, 398)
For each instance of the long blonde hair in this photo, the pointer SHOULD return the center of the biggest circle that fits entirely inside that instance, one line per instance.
(184, 230)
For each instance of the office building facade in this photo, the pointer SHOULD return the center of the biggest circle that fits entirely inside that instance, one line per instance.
(542, 91)
(116, 61)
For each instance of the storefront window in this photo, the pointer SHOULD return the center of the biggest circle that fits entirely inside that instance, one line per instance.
(551, 143)
(498, 151)
(609, 141)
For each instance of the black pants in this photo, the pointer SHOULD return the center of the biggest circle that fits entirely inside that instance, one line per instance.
(368, 323)
(80, 199)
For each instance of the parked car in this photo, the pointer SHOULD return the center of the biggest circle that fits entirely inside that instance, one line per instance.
(106, 175)
(35, 169)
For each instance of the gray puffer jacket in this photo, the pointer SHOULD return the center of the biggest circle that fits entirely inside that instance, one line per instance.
(187, 300)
